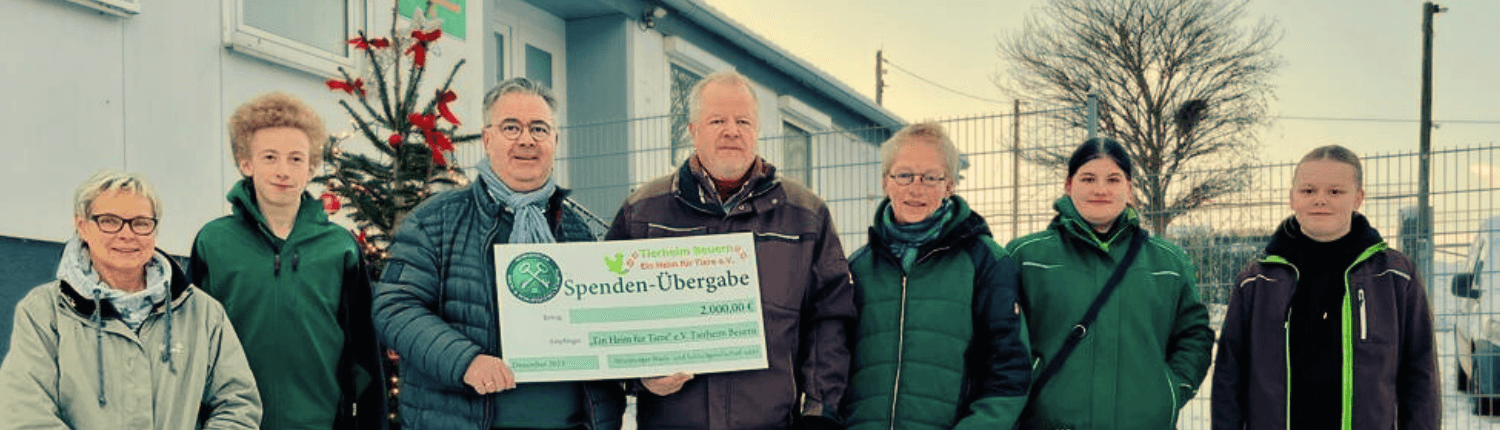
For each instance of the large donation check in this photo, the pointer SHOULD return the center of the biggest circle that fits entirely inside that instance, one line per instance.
(632, 308)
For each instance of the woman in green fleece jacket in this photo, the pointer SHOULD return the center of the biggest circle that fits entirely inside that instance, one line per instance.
(1147, 351)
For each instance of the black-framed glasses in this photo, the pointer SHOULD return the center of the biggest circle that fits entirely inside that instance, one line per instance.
(113, 224)
(928, 180)
(512, 129)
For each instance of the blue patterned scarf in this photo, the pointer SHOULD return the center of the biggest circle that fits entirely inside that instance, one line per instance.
(531, 222)
(77, 269)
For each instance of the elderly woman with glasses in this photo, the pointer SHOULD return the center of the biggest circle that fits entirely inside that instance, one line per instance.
(930, 260)
(121, 339)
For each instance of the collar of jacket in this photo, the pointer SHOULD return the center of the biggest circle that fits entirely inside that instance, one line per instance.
(1282, 240)
(965, 226)
(1070, 222)
(1368, 252)
(242, 199)
(490, 209)
(176, 288)
(691, 191)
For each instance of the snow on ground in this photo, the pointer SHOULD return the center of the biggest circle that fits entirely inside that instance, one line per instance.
(1458, 409)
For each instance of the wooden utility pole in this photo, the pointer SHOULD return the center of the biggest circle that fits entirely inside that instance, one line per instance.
(879, 76)
(1424, 191)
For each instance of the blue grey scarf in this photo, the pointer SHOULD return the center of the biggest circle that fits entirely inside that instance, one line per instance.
(77, 269)
(531, 223)
(905, 239)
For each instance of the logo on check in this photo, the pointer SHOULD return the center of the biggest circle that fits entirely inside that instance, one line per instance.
(533, 278)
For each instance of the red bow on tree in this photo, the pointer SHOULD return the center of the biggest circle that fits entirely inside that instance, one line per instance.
(351, 87)
(419, 49)
(436, 140)
(365, 44)
(442, 107)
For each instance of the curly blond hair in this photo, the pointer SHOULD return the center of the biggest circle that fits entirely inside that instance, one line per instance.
(275, 110)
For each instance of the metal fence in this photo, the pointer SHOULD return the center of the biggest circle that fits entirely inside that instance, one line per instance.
(1016, 197)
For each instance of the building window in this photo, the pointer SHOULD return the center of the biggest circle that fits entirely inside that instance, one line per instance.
(796, 153)
(539, 65)
(683, 81)
(499, 58)
(305, 35)
(799, 122)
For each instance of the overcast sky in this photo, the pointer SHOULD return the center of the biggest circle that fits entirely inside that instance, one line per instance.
(1343, 59)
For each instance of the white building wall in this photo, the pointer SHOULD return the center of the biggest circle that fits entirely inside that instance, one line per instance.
(151, 93)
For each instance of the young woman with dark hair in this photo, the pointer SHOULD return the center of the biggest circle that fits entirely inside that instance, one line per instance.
(1119, 339)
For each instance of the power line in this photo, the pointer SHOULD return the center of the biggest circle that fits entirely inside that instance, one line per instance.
(935, 84)
(1384, 120)
(1329, 118)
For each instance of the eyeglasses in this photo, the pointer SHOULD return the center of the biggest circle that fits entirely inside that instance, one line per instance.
(908, 178)
(511, 129)
(113, 224)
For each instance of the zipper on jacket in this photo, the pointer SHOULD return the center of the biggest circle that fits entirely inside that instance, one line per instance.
(1346, 421)
(900, 348)
(1171, 390)
(494, 305)
(1286, 343)
(1364, 319)
(799, 400)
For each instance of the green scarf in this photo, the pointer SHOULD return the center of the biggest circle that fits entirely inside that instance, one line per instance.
(905, 239)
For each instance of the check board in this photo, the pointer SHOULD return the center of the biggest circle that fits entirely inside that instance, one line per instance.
(630, 308)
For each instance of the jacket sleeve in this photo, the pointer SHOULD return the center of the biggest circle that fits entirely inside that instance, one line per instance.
(1228, 402)
(197, 270)
(1000, 338)
(404, 318)
(230, 393)
(828, 315)
(1418, 396)
(29, 374)
(619, 228)
(1191, 342)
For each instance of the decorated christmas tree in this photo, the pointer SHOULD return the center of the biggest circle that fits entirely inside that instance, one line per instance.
(406, 151)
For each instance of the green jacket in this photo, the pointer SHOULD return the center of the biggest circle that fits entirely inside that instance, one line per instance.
(1144, 356)
(301, 307)
(65, 370)
(917, 363)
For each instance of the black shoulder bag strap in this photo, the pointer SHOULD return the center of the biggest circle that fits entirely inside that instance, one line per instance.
(1082, 329)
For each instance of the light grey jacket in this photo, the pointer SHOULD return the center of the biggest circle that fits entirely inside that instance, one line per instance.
(74, 364)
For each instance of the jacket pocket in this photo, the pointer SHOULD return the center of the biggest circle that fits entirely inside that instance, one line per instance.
(785, 270)
(1374, 316)
(1177, 398)
(655, 230)
(1364, 317)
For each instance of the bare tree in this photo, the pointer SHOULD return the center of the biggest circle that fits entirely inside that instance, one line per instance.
(1181, 83)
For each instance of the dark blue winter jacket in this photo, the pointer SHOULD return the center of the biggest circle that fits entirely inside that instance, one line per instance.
(435, 304)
